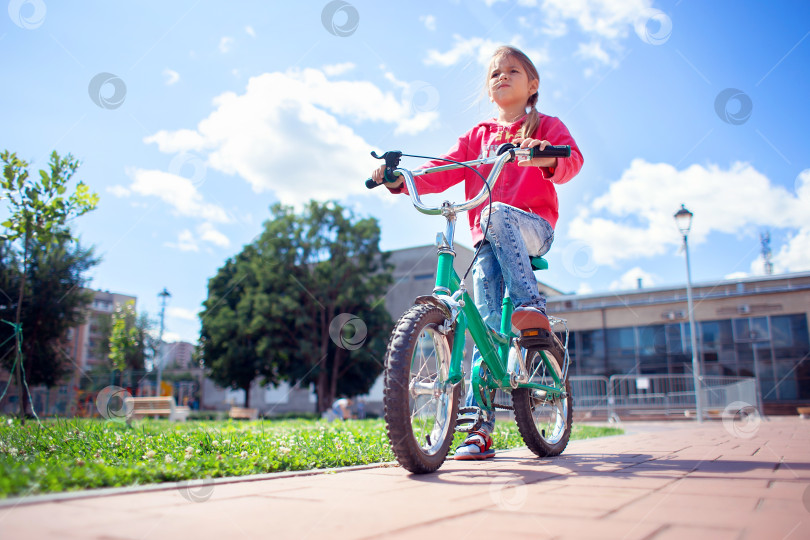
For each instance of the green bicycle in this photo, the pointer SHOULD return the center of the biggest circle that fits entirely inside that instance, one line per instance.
(423, 365)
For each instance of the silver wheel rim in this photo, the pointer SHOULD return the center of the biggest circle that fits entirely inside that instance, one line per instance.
(430, 397)
(549, 414)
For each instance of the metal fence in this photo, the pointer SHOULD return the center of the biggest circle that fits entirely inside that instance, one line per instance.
(80, 400)
(671, 395)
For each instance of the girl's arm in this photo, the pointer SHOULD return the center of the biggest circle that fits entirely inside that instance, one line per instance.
(440, 181)
(558, 170)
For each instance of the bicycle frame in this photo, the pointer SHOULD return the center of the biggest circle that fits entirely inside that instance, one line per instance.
(450, 293)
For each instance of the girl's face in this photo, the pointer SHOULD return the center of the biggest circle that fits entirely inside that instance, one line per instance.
(509, 84)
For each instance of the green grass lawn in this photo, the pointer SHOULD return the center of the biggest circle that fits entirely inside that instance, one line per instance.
(68, 455)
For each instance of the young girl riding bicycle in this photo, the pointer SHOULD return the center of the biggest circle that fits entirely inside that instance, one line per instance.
(524, 210)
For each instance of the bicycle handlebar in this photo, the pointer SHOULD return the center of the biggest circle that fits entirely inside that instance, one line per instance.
(391, 171)
(506, 153)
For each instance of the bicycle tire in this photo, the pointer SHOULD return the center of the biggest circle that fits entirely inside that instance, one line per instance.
(420, 408)
(544, 424)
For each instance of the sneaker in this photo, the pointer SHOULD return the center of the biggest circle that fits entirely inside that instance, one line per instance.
(477, 446)
(526, 317)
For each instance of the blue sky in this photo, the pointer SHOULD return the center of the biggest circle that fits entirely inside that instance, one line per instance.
(192, 117)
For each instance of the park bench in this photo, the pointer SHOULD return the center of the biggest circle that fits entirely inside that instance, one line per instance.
(165, 406)
(243, 413)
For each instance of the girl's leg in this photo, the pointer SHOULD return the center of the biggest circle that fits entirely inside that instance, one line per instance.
(488, 290)
(515, 236)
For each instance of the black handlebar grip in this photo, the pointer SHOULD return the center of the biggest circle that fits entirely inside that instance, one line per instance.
(389, 179)
(552, 151)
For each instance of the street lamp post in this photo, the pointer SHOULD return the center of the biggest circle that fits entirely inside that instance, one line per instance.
(683, 218)
(164, 296)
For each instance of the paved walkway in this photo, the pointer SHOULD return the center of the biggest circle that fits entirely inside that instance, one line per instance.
(661, 481)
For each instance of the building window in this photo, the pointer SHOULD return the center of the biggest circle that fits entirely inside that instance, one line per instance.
(590, 356)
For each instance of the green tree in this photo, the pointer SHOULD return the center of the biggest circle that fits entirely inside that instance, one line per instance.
(302, 303)
(125, 338)
(54, 302)
(39, 211)
(232, 339)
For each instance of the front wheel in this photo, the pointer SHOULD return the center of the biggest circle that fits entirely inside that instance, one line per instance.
(544, 421)
(421, 406)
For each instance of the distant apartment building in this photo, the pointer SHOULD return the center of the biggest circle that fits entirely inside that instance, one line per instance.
(84, 340)
(177, 354)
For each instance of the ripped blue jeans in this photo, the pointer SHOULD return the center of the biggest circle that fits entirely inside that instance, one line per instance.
(503, 264)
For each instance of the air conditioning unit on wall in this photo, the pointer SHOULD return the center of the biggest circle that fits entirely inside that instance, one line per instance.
(744, 309)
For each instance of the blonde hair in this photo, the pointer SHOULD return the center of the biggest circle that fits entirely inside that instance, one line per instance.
(532, 121)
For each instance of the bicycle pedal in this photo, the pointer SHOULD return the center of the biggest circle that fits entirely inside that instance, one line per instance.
(466, 423)
(535, 338)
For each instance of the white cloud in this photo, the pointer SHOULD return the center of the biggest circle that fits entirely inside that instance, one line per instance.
(209, 234)
(338, 69)
(594, 51)
(635, 217)
(793, 256)
(171, 76)
(182, 140)
(171, 337)
(250, 31)
(554, 28)
(480, 50)
(609, 19)
(182, 313)
(584, 288)
(629, 280)
(176, 191)
(429, 21)
(118, 191)
(225, 44)
(185, 242)
(205, 233)
(258, 135)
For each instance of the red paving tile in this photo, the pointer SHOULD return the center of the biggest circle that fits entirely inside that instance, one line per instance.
(658, 481)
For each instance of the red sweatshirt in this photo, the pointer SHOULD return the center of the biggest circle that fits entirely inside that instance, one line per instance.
(528, 188)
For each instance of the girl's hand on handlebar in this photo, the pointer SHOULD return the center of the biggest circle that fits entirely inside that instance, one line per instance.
(538, 161)
(379, 176)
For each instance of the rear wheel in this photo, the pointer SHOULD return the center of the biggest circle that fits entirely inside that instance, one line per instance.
(544, 421)
(420, 405)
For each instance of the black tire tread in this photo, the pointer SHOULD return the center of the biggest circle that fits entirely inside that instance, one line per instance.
(521, 400)
(395, 397)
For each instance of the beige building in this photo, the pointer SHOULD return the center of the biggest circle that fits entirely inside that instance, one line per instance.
(746, 327)
(84, 339)
(178, 354)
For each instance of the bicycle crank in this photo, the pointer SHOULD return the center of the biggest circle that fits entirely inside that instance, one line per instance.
(466, 423)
